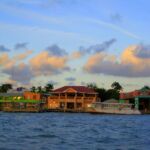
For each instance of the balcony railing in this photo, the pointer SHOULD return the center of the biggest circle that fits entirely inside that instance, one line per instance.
(72, 97)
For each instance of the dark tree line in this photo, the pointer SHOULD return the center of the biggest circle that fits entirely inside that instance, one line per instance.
(104, 94)
(47, 88)
(112, 93)
(5, 87)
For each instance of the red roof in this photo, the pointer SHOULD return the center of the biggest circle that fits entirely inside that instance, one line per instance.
(79, 89)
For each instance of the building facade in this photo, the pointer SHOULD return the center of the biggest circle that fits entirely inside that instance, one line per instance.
(139, 98)
(32, 95)
(15, 102)
(72, 98)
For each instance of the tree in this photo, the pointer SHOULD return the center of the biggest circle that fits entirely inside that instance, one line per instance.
(49, 87)
(92, 86)
(5, 87)
(101, 93)
(145, 88)
(112, 93)
(116, 86)
(33, 89)
(39, 89)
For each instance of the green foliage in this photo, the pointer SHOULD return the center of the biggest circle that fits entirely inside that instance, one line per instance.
(5, 87)
(101, 93)
(92, 86)
(39, 89)
(10, 100)
(112, 93)
(116, 86)
(33, 89)
(49, 87)
(107, 94)
(145, 88)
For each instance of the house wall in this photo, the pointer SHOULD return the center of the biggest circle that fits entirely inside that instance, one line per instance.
(31, 95)
(53, 104)
(80, 103)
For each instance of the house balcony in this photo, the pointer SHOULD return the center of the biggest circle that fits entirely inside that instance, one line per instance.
(71, 98)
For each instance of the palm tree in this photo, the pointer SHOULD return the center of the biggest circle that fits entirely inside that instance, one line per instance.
(92, 86)
(116, 86)
(49, 87)
(33, 89)
(39, 89)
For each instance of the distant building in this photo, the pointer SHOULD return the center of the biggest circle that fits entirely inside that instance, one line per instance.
(32, 95)
(139, 98)
(17, 102)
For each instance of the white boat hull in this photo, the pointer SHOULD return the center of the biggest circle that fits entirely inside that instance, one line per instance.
(114, 108)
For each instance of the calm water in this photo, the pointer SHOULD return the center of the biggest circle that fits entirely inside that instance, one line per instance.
(70, 131)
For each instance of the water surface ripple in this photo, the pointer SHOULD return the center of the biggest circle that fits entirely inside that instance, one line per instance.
(73, 131)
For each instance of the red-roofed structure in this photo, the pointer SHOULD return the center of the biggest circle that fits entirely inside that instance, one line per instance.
(139, 98)
(72, 98)
(77, 89)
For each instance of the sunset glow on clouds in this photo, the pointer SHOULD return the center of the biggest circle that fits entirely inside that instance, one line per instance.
(40, 64)
(127, 65)
(74, 42)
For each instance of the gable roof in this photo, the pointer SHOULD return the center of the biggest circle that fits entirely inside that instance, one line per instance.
(78, 89)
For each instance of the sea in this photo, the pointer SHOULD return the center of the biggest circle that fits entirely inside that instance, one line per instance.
(73, 131)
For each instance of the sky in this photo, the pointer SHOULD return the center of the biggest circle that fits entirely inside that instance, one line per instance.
(75, 42)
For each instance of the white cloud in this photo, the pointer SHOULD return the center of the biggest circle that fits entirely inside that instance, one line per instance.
(113, 27)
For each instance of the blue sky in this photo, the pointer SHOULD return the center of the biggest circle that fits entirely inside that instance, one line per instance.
(69, 25)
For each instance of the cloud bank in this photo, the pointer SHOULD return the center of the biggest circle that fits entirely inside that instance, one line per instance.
(132, 63)
(56, 50)
(94, 48)
(23, 70)
(25, 66)
(4, 49)
(21, 46)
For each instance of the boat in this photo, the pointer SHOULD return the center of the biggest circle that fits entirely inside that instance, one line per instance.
(114, 108)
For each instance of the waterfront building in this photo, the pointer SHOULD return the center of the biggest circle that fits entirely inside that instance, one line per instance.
(67, 98)
(72, 98)
(15, 102)
(140, 99)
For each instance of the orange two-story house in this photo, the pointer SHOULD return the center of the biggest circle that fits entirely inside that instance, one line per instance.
(72, 98)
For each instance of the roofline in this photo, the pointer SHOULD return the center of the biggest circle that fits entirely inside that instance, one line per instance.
(75, 92)
(142, 96)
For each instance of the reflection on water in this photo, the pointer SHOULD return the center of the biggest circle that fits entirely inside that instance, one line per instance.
(70, 131)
